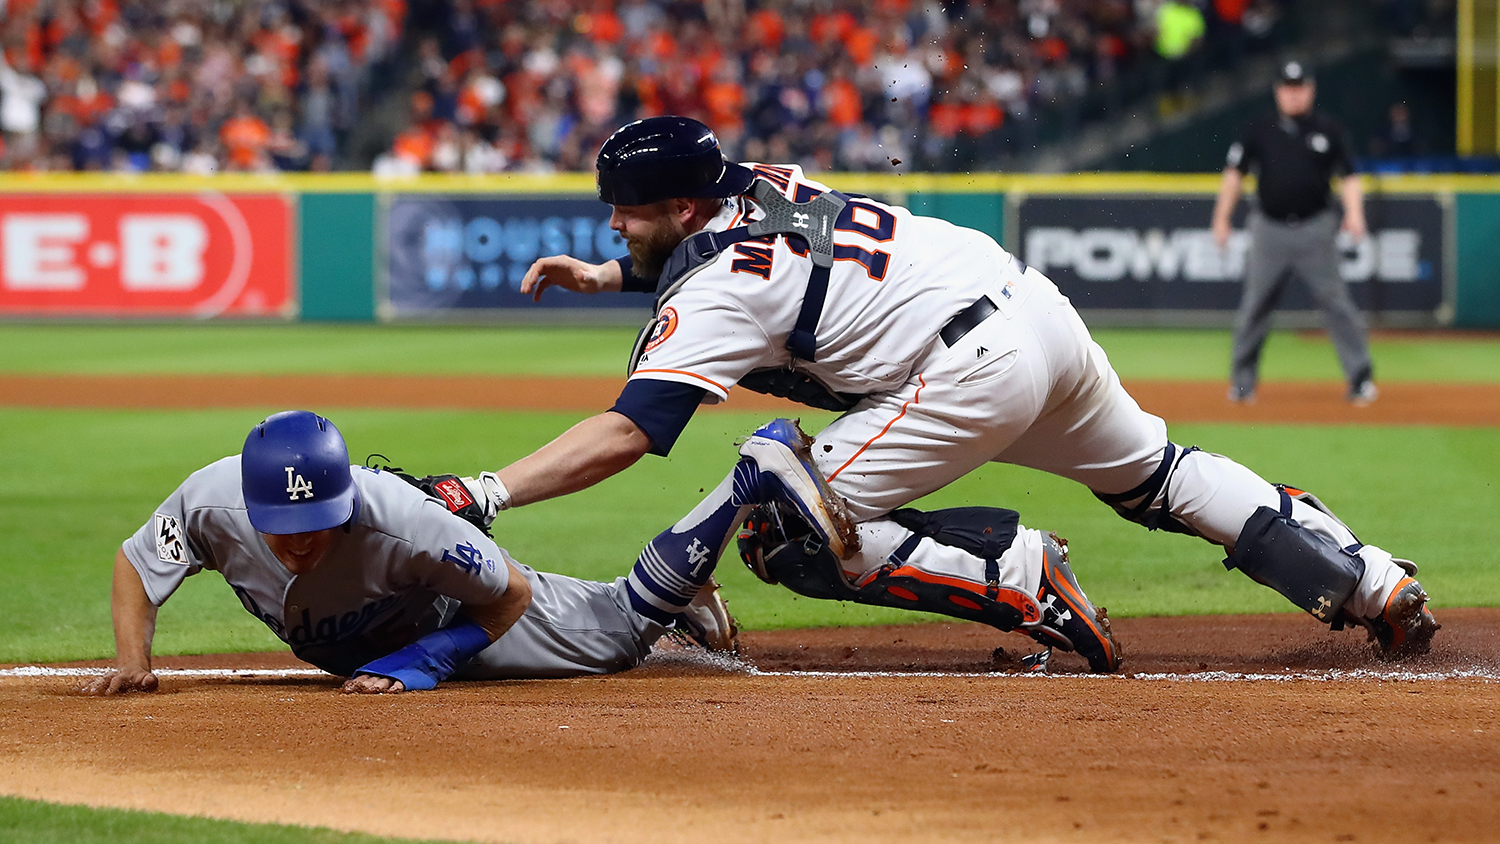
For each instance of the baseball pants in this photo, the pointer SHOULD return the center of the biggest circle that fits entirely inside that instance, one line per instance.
(1041, 394)
(573, 627)
(1306, 249)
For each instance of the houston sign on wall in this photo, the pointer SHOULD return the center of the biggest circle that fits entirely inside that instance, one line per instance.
(126, 254)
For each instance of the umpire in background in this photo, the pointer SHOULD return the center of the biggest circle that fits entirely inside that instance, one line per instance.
(1295, 153)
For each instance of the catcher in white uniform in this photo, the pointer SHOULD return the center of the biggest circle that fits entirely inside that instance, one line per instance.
(944, 352)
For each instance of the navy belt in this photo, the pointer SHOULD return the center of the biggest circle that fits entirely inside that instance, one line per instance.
(966, 320)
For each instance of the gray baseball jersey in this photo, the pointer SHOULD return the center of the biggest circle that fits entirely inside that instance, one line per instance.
(402, 568)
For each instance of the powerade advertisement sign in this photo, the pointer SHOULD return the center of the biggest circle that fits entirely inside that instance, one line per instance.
(1158, 253)
(447, 253)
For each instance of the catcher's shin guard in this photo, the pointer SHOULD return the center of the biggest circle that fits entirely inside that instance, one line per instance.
(1069, 620)
(780, 548)
(1308, 568)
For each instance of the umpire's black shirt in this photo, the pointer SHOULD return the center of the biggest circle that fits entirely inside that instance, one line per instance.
(1294, 158)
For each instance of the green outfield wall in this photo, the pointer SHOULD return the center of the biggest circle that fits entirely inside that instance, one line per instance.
(351, 247)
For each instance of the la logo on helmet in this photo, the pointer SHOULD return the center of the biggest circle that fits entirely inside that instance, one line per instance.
(297, 485)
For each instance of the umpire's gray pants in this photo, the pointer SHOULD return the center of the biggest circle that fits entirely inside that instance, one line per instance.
(1277, 250)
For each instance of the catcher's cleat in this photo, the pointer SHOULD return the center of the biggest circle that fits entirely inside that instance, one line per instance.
(1069, 620)
(707, 620)
(781, 450)
(1405, 627)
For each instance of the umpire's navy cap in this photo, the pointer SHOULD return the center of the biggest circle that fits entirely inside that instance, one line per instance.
(665, 158)
(1294, 73)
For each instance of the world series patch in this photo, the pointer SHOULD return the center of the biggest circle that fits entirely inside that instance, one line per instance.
(169, 546)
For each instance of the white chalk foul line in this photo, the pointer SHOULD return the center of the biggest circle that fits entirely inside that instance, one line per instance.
(44, 671)
(1330, 675)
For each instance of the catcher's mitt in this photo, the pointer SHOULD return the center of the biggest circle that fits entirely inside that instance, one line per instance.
(449, 489)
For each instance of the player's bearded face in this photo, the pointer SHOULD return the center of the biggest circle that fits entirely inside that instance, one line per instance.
(651, 240)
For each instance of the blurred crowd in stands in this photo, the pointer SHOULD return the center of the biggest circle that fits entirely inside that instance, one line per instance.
(187, 85)
(484, 86)
(536, 85)
(832, 84)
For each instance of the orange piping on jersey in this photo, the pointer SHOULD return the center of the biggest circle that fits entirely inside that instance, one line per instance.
(916, 399)
(869, 272)
(716, 385)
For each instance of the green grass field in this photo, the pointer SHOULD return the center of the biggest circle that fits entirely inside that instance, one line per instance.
(280, 348)
(34, 822)
(75, 483)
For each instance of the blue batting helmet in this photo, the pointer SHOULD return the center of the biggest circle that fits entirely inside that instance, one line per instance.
(294, 472)
(665, 158)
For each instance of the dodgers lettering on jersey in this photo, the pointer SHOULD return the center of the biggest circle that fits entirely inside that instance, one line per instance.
(400, 570)
(881, 314)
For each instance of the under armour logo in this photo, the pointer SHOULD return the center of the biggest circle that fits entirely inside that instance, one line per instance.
(1323, 605)
(697, 555)
(799, 220)
(297, 485)
(1050, 602)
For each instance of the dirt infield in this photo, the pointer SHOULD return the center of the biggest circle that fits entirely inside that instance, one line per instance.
(1246, 728)
(1260, 728)
(1175, 401)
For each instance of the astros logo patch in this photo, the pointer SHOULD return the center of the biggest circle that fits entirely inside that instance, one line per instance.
(169, 540)
(665, 325)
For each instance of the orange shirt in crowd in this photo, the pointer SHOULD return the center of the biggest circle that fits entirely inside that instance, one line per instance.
(945, 118)
(860, 45)
(414, 145)
(466, 61)
(100, 14)
(841, 103)
(661, 45)
(648, 91)
(765, 28)
(1051, 49)
(244, 137)
(395, 14)
(84, 110)
(601, 26)
(983, 117)
(726, 105)
(831, 27)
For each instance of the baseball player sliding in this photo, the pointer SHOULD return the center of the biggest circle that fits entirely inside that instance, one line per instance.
(367, 576)
(945, 352)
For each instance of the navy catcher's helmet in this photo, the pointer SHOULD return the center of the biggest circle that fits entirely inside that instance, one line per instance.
(294, 472)
(665, 158)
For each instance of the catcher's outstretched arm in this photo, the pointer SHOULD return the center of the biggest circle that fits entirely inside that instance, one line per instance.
(582, 456)
(135, 626)
(571, 274)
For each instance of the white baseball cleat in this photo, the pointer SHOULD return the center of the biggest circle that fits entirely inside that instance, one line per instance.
(780, 449)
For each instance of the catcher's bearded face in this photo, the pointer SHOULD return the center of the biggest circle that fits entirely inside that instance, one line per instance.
(651, 232)
(300, 552)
